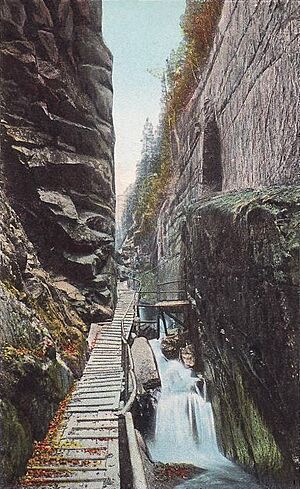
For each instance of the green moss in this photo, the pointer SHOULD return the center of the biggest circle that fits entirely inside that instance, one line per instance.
(266, 453)
(12, 290)
(69, 338)
(244, 434)
(271, 219)
(240, 204)
(15, 441)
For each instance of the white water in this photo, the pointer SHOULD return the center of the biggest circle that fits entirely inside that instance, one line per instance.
(185, 431)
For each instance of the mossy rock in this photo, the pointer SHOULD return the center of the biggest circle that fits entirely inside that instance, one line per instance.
(242, 265)
(16, 442)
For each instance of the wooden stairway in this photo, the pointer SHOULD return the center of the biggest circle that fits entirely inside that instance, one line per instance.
(86, 453)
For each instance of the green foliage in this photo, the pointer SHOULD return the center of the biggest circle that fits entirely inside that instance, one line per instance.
(153, 172)
(178, 83)
(148, 280)
(183, 67)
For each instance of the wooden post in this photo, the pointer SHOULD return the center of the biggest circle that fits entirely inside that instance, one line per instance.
(158, 324)
(164, 322)
(126, 374)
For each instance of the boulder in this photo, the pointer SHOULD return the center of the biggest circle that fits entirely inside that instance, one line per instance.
(172, 345)
(145, 366)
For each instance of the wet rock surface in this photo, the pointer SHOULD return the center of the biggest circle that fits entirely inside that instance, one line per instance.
(148, 385)
(177, 346)
(242, 257)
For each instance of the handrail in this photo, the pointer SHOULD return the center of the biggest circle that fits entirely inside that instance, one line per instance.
(133, 393)
(172, 282)
(163, 291)
(139, 480)
(138, 474)
(161, 294)
(128, 369)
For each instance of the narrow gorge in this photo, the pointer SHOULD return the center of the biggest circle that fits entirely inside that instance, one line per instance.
(171, 332)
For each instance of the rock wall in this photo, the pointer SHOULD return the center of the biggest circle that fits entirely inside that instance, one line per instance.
(57, 141)
(240, 127)
(57, 209)
(242, 262)
(42, 346)
(237, 247)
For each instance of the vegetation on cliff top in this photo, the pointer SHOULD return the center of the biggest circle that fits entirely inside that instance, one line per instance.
(185, 65)
(181, 77)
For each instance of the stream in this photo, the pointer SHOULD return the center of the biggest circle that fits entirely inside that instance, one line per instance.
(185, 430)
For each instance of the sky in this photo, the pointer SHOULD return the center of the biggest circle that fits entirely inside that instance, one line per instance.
(140, 35)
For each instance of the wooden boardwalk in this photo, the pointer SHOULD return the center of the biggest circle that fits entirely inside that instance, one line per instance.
(86, 456)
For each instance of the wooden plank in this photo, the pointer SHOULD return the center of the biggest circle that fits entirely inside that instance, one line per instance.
(95, 425)
(103, 370)
(98, 395)
(171, 304)
(111, 360)
(92, 402)
(91, 409)
(101, 383)
(103, 373)
(101, 380)
(69, 468)
(97, 447)
(101, 388)
(88, 436)
(108, 416)
(80, 477)
(72, 485)
(91, 418)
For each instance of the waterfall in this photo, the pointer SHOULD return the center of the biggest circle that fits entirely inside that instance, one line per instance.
(185, 431)
(184, 428)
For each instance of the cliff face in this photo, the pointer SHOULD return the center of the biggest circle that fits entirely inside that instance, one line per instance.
(232, 134)
(237, 247)
(42, 346)
(57, 209)
(57, 140)
(239, 130)
(242, 257)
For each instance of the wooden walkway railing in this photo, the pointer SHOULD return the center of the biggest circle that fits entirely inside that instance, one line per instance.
(173, 290)
(86, 451)
(169, 298)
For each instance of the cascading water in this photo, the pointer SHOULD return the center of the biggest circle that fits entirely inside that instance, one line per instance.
(185, 431)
